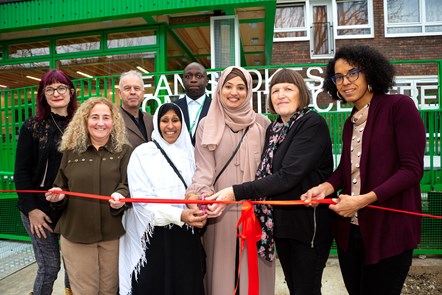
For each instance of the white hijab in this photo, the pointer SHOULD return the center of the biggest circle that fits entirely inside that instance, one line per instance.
(181, 152)
(152, 177)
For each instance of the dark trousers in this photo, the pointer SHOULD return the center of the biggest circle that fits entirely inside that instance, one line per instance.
(47, 256)
(173, 263)
(302, 265)
(383, 278)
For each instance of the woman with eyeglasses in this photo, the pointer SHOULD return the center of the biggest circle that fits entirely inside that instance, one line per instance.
(36, 165)
(381, 164)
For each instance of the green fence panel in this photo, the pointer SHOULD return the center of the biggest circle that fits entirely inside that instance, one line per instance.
(18, 104)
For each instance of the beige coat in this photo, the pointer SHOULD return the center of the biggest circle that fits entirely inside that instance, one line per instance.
(220, 236)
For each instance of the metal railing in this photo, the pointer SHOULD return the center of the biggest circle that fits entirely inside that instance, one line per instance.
(18, 104)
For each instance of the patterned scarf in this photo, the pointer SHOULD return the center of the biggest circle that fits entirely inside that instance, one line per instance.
(264, 213)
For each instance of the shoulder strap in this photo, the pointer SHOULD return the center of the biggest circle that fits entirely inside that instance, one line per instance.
(170, 162)
(233, 155)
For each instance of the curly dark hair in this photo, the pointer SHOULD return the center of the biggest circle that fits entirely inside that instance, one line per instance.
(379, 72)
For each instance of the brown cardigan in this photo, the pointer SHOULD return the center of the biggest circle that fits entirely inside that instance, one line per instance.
(96, 172)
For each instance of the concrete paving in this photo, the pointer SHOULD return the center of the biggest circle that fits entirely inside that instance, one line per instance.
(20, 283)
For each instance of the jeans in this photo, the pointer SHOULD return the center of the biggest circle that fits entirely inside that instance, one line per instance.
(47, 255)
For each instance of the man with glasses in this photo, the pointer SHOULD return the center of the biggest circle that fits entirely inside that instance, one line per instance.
(196, 103)
(138, 123)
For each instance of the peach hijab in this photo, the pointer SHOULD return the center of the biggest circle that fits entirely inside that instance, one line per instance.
(220, 117)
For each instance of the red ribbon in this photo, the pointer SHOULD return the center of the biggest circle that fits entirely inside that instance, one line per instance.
(248, 227)
(208, 202)
(249, 231)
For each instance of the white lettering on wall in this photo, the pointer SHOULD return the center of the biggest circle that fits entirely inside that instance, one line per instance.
(421, 89)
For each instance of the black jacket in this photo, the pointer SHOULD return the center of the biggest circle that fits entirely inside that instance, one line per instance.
(303, 160)
(37, 162)
(182, 103)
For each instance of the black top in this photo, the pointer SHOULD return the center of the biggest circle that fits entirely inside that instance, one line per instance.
(303, 160)
(139, 122)
(37, 162)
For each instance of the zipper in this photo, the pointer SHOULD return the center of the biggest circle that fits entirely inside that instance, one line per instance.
(42, 184)
(312, 243)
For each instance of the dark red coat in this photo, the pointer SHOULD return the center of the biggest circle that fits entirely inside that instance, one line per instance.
(393, 145)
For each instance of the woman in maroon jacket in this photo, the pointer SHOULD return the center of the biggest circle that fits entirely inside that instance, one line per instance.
(381, 164)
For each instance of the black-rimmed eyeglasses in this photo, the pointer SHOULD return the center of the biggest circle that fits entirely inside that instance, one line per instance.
(351, 76)
(60, 89)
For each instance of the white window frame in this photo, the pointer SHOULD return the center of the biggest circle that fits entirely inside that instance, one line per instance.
(421, 24)
(331, 39)
(367, 26)
(306, 27)
(308, 20)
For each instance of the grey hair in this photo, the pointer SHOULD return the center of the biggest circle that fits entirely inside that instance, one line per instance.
(128, 73)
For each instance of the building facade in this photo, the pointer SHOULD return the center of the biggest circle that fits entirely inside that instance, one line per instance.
(95, 41)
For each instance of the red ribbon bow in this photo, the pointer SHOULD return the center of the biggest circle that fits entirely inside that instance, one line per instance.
(249, 231)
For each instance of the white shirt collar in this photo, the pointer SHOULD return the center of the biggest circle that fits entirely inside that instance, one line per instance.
(199, 100)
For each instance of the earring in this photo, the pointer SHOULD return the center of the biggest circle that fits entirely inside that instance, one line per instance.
(370, 89)
(339, 96)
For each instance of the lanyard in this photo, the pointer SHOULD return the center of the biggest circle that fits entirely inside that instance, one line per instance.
(193, 124)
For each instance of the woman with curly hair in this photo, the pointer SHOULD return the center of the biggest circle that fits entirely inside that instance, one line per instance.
(381, 164)
(95, 157)
(36, 165)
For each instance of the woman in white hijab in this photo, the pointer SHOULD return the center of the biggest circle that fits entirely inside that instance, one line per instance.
(161, 252)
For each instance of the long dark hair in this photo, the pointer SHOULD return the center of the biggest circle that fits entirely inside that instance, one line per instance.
(50, 77)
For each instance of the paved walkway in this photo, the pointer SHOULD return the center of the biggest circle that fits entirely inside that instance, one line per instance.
(20, 283)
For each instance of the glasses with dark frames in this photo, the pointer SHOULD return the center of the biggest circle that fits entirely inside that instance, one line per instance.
(351, 76)
(60, 89)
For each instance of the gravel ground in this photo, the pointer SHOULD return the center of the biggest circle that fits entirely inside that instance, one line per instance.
(425, 276)
(423, 284)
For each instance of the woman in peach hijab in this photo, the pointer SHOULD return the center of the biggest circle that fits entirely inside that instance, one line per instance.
(231, 124)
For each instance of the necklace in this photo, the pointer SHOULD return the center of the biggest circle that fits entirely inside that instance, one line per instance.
(58, 127)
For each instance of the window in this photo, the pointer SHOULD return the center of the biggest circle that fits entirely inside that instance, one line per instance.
(131, 39)
(77, 44)
(354, 19)
(290, 22)
(31, 49)
(412, 18)
(224, 41)
(346, 19)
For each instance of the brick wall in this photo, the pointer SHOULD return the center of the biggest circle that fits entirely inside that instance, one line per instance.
(429, 47)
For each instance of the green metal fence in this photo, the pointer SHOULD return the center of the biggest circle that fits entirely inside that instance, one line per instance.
(18, 104)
